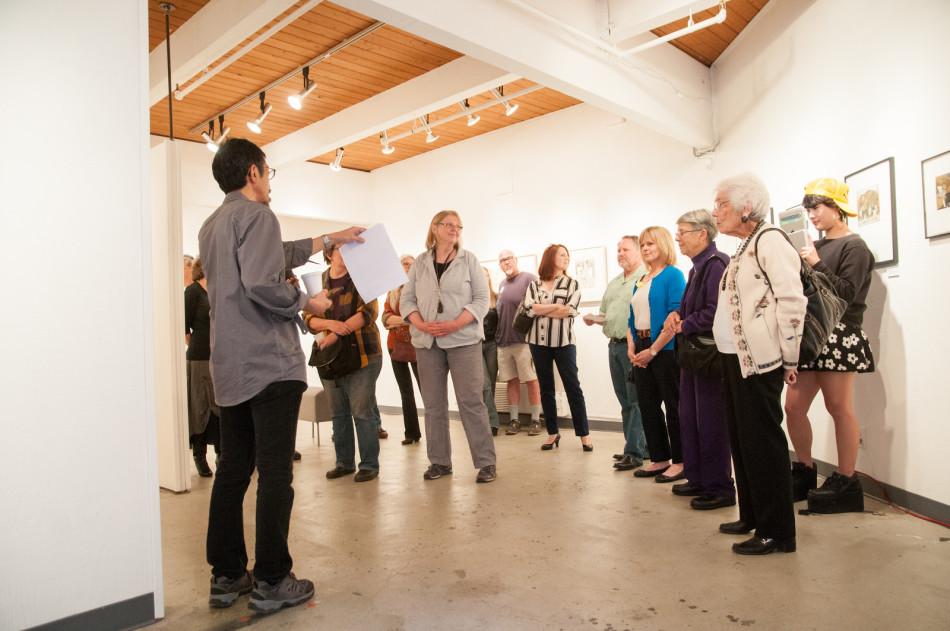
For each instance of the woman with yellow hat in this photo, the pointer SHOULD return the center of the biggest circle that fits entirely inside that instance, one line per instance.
(845, 259)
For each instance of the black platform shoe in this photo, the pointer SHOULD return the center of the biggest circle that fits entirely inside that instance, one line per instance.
(839, 494)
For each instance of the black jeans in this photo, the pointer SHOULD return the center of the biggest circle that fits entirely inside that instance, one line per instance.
(759, 450)
(261, 430)
(565, 357)
(410, 415)
(659, 383)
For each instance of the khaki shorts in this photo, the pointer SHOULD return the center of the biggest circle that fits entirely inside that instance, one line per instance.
(515, 361)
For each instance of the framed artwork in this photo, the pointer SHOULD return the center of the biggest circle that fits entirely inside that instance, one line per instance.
(873, 197)
(935, 172)
(589, 267)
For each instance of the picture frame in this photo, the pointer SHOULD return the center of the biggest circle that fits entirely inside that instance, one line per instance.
(872, 195)
(589, 268)
(935, 178)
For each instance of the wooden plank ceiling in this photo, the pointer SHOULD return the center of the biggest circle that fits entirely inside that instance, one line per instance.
(385, 58)
(706, 45)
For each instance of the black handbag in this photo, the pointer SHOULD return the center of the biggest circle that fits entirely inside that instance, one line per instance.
(698, 353)
(523, 321)
(824, 309)
(337, 360)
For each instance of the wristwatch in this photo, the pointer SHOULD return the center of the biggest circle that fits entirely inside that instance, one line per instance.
(652, 352)
(326, 242)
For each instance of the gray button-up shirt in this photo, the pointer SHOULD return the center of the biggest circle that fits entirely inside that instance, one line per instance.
(463, 286)
(254, 340)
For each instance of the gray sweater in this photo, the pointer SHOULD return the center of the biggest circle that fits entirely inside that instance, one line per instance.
(463, 286)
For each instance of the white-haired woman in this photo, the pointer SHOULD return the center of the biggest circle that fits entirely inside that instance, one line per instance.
(445, 301)
(703, 434)
(758, 326)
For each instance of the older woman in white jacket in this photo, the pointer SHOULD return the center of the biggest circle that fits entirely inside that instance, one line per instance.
(758, 328)
(445, 302)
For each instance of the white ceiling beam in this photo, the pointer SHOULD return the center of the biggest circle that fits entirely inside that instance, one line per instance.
(210, 33)
(442, 87)
(629, 18)
(664, 89)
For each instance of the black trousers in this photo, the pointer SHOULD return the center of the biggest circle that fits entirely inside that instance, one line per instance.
(260, 431)
(410, 415)
(759, 450)
(659, 383)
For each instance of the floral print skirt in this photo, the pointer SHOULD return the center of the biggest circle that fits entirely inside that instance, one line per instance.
(847, 350)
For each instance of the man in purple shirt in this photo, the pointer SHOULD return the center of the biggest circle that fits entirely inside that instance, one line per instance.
(259, 375)
(514, 357)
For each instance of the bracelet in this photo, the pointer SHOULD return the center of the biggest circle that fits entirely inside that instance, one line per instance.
(326, 242)
(652, 352)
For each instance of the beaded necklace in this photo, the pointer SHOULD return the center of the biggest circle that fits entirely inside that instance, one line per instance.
(739, 251)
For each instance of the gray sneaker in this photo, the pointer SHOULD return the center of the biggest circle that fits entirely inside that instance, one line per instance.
(289, 592)
(534, 429)
(224, 590)
(436, 471)
(486, 474)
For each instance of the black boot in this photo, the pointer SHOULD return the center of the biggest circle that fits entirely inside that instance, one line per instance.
(804, 479)
(839, 494)
(201, 463)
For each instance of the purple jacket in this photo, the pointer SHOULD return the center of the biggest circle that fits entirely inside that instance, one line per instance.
(698, 308)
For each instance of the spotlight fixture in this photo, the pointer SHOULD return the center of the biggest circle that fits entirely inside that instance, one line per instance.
(296, 100)
(472, 117)
(384, 141)
(337, 163)
(510, 108)
(430, 137)
(210, 142)
(255, 125)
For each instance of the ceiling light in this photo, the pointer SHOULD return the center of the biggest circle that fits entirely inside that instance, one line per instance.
(472, 117)
(210, 142)
(430, 137)
(384, 141)
(296, 100)
(510, 108)
(337, 163)
(255, 125)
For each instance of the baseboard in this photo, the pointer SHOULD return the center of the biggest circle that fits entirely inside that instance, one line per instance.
(889, 493)
(127, 614)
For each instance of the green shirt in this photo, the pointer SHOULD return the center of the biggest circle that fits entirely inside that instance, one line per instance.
(615, 304)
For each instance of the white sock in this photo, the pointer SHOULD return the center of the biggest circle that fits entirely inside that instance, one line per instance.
(535, 413)
(512, 412)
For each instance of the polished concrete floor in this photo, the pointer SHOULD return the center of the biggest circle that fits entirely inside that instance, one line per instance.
(559, 541)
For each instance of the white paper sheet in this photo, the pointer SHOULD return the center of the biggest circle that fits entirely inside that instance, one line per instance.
(374, 265)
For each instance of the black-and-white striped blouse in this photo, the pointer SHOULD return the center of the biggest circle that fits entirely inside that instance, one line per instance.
(547, 331)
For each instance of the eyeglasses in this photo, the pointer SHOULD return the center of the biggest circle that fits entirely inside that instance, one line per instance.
(450, 226)
(271, 172)
(507, 259)
(680, 233)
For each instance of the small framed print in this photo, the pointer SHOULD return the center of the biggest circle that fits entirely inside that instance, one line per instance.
(935, 172)
(589, 268)
(873, 197)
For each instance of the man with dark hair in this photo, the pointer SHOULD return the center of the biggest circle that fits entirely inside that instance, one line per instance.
(259, 376)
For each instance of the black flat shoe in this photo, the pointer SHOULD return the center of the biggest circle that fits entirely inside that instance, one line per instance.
(409, 441)
(663, 478)
(735, 528)
(764, 545)
(338, 472)
(649, 473)
(587, 447)
(686, 490)
(627, 463)
(297, 456)
(552, 445)
(619, 456)
(711, 502)
(494, 431)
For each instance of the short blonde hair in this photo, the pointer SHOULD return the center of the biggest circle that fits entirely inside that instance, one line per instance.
(436, 220)
(664, 242)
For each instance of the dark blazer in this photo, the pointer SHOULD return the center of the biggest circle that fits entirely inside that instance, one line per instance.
(698, 309)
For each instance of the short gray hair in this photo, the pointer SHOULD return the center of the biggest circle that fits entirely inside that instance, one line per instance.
(747, 194)
(701, 219)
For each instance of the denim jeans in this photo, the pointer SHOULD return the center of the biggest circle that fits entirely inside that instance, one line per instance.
(565, 357)
(353, 402)
(261, 431)
(626, 391)
(490, 357)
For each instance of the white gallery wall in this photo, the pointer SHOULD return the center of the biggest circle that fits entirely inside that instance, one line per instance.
(80, 525)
